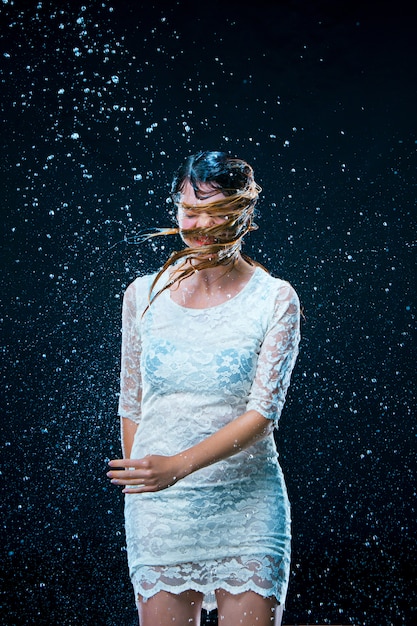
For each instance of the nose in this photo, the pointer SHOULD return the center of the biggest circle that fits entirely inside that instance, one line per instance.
(205, 220)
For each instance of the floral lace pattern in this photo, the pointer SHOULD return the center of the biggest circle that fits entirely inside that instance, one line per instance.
(185, 374)
(264, 575)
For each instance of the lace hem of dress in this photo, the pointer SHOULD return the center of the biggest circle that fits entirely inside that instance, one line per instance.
(266, 575)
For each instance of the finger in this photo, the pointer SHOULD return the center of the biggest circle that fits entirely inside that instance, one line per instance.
(118, 473)
(129, 490)
(122, 463)
(126, 474)
(137, 482)
(139, 489)
(131, 477)
(134, 463)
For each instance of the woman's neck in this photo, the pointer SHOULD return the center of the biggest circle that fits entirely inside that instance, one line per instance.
(214, 285)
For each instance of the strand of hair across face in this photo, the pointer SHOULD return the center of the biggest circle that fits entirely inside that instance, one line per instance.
(189, 260)
(145, 235)
(238, 211)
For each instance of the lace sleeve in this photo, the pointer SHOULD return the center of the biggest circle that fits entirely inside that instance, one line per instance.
(277, 356)
(130, 378)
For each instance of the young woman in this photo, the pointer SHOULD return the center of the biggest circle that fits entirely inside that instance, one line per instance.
(208, 347)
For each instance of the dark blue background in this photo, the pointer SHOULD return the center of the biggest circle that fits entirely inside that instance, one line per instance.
(101, 101)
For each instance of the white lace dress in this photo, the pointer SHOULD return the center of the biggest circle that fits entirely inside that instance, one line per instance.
(228, 525)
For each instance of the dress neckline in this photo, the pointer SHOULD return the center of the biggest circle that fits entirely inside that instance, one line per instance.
(215, 306)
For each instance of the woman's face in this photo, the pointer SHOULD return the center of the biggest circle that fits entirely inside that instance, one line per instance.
(189, 219)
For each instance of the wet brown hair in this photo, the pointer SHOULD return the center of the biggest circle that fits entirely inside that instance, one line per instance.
(233, 178)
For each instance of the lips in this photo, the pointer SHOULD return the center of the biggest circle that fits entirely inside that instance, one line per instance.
(204, 241)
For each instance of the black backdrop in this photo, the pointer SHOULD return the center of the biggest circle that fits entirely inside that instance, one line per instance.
(101, 101)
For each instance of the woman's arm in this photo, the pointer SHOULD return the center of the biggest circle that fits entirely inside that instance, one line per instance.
(130, 379)
(156, 472)
(127, 434)
(275, 363)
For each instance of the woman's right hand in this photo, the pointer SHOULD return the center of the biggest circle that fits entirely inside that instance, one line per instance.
(152, 473)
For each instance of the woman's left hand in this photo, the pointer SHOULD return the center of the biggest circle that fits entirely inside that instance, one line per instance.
(152, 473)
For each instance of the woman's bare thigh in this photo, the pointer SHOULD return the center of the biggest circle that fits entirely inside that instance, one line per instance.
(247, 609)
(166, 609)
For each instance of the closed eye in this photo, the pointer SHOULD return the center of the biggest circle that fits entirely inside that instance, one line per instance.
(206, 196)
